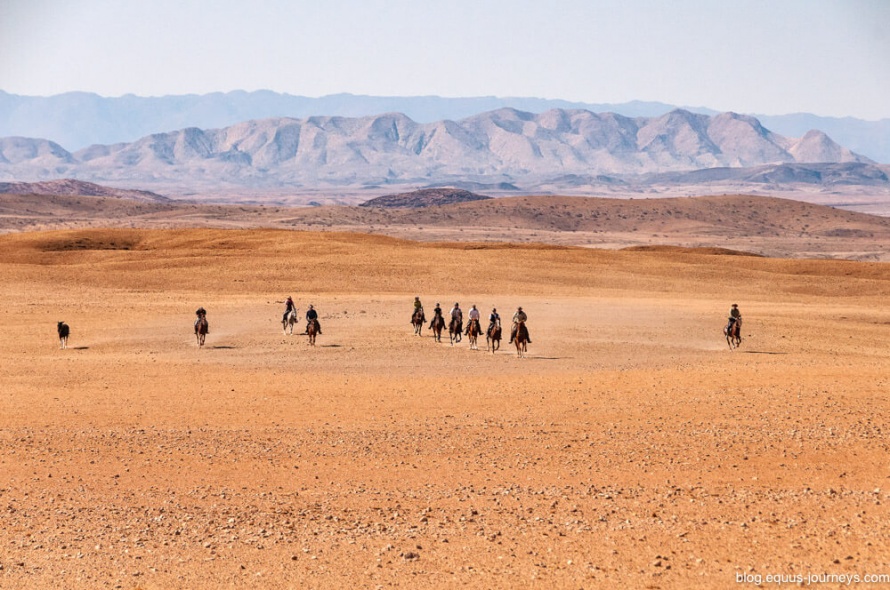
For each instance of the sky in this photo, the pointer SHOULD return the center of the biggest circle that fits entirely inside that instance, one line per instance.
(771, 57)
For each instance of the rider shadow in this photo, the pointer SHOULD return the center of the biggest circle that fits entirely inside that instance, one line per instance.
(80, 348)
(762, 352)
(330, 346)
(223, 347)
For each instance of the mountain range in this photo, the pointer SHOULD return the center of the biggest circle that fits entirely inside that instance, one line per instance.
(504, 148)
(77, 120)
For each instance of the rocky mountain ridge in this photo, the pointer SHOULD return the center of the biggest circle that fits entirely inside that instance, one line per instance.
(79, 119)
(503, 146)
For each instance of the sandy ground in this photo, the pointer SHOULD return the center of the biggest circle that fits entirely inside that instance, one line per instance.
(631, 448)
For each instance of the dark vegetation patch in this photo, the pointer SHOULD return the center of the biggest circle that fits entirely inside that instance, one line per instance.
(683, 250)
(89, 243)
(428, 197)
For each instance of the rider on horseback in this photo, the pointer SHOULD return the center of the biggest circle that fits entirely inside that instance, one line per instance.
(494, 319)
(734, 316)
(437, 313)
(519, 316)
(457, 314)
(201, 313)
(289, 306)
(473, 316)
(418, 306)
(312, 316)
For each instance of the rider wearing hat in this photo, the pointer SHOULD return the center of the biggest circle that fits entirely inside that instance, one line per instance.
(418, 305)
(519, 316)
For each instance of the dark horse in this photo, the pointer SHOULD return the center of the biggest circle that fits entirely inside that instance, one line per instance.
(454, 330)
(201, 329)
(733, 333)
(521, 339)
(493, 337)
(437, 325)
(473, 331)
(312, 330)
(63, 334)
(417, 321)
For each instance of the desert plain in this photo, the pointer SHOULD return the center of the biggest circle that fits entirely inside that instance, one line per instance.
(630, 448)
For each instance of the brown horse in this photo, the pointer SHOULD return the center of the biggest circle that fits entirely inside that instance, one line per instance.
(473, 331)
(493, 338)
(521, 339)
(733, 333)
(312, 330)
(417, 321)
(201, 329)
(437, 325)
(454, 330)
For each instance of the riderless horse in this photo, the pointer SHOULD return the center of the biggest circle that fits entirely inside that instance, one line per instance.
(63, 330)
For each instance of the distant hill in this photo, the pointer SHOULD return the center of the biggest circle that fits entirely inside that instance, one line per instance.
(428, 197)
(764, 225)
(546, 152)
(71, 187)
(77, 120)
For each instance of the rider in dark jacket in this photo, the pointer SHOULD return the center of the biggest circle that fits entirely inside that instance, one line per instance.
(437, 313)
(312, 316)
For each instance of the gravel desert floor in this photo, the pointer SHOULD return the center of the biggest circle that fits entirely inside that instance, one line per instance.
(630, 448)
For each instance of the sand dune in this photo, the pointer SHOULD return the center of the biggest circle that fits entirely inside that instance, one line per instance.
(631, 449)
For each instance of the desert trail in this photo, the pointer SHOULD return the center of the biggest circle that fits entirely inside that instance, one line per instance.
(630, 449)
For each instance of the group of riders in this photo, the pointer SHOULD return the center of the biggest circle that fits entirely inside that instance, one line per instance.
(474, 319)
(457, 315)
(289, 308)
(311, 315)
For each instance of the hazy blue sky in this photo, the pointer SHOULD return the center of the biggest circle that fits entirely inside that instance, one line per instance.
(828, 57)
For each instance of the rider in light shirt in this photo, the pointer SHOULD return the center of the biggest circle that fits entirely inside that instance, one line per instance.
(458, 314)
(519, 316)
(474, 316)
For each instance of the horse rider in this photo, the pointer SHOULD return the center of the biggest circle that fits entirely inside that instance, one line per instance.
(289, 306)
(494, 319)
(734, 316)
(418, 305)
(437, 313)
(473, 316)
(458, 314)
(519, 316)
(201, 314)
(312, 316)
